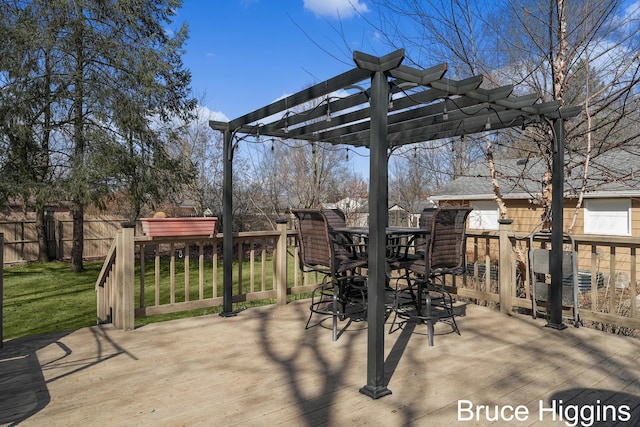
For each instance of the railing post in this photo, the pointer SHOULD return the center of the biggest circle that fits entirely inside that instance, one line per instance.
(281, 262)
(125, 275)
(505, 266)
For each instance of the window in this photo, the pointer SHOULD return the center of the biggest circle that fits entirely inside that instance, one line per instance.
(484, 215)
(607, 216)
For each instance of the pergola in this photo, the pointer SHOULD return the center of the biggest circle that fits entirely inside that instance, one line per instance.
(389, 105)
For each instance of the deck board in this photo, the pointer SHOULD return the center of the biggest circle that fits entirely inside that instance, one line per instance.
(263, 368)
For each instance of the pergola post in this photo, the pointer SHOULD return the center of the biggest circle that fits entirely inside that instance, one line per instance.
(227, 227)
(378, 189)
(557, 227)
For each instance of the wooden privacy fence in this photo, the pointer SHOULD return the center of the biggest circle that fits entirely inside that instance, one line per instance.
(21, 238)
(143, 276)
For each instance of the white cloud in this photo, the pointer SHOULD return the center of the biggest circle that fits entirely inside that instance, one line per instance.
(208, 114)
(336, 8)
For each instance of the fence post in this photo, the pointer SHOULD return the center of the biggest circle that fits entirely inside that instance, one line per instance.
(125, 275)
(505, 266)
(281, 262)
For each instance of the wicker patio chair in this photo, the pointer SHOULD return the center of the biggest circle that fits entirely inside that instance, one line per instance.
(416, 247)
(425, 275)
(342, 292)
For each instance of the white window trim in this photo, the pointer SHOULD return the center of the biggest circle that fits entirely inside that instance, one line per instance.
(610, 217)
(484, 215)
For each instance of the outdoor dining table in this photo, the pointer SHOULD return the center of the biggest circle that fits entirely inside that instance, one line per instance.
(399, 239)
(399, 242)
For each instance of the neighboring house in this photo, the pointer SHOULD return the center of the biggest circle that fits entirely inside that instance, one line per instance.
(407, 214)
(611, 204)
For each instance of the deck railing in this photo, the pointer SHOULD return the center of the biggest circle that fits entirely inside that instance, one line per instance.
(169, 274)
(498, 274)
(143, 276)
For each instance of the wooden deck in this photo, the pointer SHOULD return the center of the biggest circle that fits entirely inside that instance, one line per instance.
(263, 368)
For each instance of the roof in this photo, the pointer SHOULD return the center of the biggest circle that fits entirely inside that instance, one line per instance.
(614, 173)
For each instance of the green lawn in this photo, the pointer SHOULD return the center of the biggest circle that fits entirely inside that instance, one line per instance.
(46, 297)
(42, 298)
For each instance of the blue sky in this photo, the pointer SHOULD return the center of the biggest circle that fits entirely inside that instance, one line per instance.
(244, 54)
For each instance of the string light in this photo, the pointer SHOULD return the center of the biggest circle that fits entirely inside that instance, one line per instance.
(445, 113)
(487, 126)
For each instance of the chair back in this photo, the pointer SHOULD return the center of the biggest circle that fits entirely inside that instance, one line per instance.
(448, 240)
(313, 240)
(335, 218)
(425, 221)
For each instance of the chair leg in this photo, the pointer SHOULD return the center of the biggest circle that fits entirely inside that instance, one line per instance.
(321, 290)
(437, 308)
(429, 317)
(430, 331)
(334, 315)
(337, 305)
(453, 316)
(396, 305)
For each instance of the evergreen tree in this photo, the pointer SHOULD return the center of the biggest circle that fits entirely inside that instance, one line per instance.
(109, 71)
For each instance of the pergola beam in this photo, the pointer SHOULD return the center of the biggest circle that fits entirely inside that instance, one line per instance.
(336, 83)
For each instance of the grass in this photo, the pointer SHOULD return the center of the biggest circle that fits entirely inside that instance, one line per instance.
(41, 298)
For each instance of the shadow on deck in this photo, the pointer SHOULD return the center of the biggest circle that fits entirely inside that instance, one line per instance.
(263, 368)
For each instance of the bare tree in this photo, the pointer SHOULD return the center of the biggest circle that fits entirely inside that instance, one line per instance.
(577, 52)
(195, 142)
(419, 170)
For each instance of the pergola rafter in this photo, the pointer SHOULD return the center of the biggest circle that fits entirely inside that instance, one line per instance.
(436, 108)
(394, 105)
